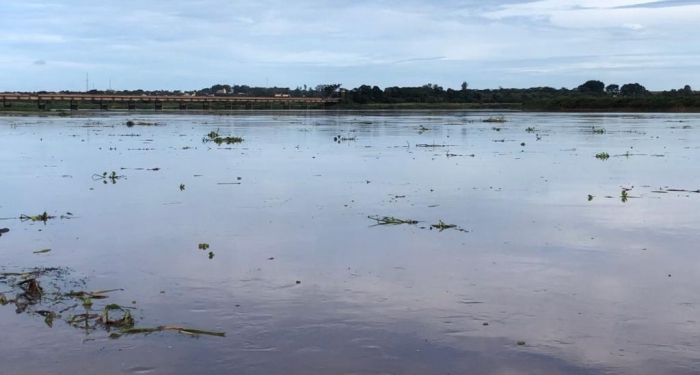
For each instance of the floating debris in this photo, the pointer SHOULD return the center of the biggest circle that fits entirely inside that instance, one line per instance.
(390, 220)
(187, 331)
(214, 136)
(104, 177)
(50, 302)
(497, 119)
(3, 231)
(42, 251)
(442, 226)
(41, 217)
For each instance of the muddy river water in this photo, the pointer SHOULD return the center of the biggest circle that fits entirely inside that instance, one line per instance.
(561, 262)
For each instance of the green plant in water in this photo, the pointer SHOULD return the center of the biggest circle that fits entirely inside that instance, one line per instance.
(203, 246)
(130, 123)
(530, 129)
(598, 130)
(602, 156)
(390, 220)
(182, 187)
(590, 197)
(499, 119)
(228, 140)
(624, 196)
(111, 177)
(41, 217)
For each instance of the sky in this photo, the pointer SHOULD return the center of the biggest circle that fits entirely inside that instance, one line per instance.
(192, 44)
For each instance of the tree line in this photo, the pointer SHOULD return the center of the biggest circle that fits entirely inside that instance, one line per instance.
(591, 95)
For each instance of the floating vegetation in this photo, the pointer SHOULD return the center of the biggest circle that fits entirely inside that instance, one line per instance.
(111, 177)
(595, 130)
(182, 187)
(590, 197)
(123, 320)
(496, 129)
(44, 251)
(602, 156)
(227, 140)
(430, 145)
(41, 217)
(37, 292)
(211, 255)
(497, 119)
(530, 129)
(341, 138)
(130, 123)
(390, 220)
(203, 246)
(442, 226)
(624, 196)
(214, 136)
(422, 129)
(521, 343)
(3, 231)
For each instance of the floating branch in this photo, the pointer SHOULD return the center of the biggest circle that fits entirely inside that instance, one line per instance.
(187, 331)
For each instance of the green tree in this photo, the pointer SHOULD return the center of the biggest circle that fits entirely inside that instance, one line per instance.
(592, 86)
(633, 89)
(613, 89)
(465, 86)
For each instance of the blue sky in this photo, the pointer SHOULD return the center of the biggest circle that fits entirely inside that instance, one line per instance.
(188, 44)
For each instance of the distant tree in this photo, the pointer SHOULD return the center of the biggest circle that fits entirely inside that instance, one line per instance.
(632, 89)
(687, 89)
(328, 90)
(465, 86)
(613, 89)
(592, 86)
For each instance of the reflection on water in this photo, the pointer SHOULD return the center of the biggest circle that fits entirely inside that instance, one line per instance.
(550, 254)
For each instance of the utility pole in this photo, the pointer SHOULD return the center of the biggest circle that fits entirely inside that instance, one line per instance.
(87, 82)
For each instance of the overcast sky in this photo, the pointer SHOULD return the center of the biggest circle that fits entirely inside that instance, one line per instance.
(189, 44)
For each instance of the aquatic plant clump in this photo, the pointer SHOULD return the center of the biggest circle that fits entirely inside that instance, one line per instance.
(214, 136)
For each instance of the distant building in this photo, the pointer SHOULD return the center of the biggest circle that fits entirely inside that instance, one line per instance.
(222, 91)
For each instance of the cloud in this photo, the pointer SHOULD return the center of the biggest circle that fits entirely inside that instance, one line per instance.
(312, 41)
(39, 62)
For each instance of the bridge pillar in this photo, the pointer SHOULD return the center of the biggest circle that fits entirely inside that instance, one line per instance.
(104, 106)
(158, 105)
(41, 104)
(73, 105)
(6, 103)
(183, 106)
(206, 105)
(131, 105)
(248, 105)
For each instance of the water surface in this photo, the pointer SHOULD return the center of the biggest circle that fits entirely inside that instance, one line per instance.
(590, 286)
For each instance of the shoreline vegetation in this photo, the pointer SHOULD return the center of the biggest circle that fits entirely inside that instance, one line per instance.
(592, 96)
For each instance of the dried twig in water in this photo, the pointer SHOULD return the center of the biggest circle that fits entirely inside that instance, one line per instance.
(187, 331)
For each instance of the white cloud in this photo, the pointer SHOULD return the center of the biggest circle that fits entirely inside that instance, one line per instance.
(355, 43)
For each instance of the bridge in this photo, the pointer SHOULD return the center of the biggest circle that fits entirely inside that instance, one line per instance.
(184, 102)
